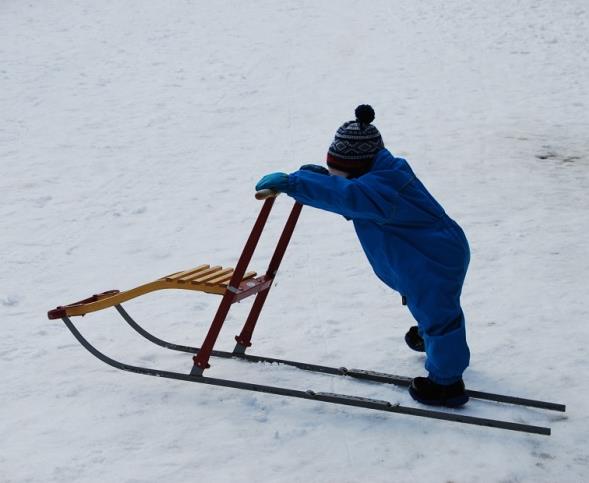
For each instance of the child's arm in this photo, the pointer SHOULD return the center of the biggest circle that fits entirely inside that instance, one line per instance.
(352, 198)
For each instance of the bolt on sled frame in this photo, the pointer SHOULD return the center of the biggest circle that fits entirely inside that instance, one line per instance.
(237, 284)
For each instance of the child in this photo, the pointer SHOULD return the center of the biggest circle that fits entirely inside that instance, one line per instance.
(412, 245)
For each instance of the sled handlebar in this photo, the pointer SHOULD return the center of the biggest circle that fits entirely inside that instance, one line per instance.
(265, 194)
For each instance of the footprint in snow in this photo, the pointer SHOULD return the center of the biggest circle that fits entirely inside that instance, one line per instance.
(10, 301)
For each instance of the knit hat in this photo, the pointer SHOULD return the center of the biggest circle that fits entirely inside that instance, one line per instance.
(355, 144)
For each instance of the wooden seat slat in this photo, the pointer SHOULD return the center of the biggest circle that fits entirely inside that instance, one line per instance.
(222, 278)
(192, 271)
(202, 273)
(211, 276)
(245, 277)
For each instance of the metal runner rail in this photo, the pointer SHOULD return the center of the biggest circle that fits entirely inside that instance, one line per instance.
(341, 399)
(373, 376)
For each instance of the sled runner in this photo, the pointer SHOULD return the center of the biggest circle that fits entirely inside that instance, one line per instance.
(236, 284)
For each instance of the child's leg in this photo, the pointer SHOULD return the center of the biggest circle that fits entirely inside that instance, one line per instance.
(447, 352)
(436, 307)
(441, 324)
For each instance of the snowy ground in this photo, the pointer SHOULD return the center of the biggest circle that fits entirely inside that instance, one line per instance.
(131, 136)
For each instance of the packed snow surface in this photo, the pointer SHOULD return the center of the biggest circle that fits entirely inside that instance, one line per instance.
(131, 137)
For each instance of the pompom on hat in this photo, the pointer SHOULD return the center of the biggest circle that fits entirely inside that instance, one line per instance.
(355, 144)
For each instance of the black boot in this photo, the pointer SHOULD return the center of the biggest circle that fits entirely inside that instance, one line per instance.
(426, 391)
(414, 340)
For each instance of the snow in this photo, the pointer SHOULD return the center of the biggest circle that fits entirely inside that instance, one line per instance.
(131, 136)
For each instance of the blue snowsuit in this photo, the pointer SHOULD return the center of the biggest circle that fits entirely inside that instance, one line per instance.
(412, 245)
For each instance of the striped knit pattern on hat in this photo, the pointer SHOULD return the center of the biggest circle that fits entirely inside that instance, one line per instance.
(354, 147)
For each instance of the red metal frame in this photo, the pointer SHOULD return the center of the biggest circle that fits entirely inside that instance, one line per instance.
(244, 338)
(235, 291)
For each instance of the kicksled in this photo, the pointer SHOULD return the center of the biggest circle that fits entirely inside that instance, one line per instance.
(234, 285)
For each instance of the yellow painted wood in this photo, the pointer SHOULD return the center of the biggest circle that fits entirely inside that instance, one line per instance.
(203, 278)
(207, 275)
(245, 277)
(202, 273)
(115, 299)
(213, 276)
(222, 276)
(177, 275)
(171, 276)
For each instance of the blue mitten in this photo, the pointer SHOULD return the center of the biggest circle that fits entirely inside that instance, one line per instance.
(273, 181)
(315, 168)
